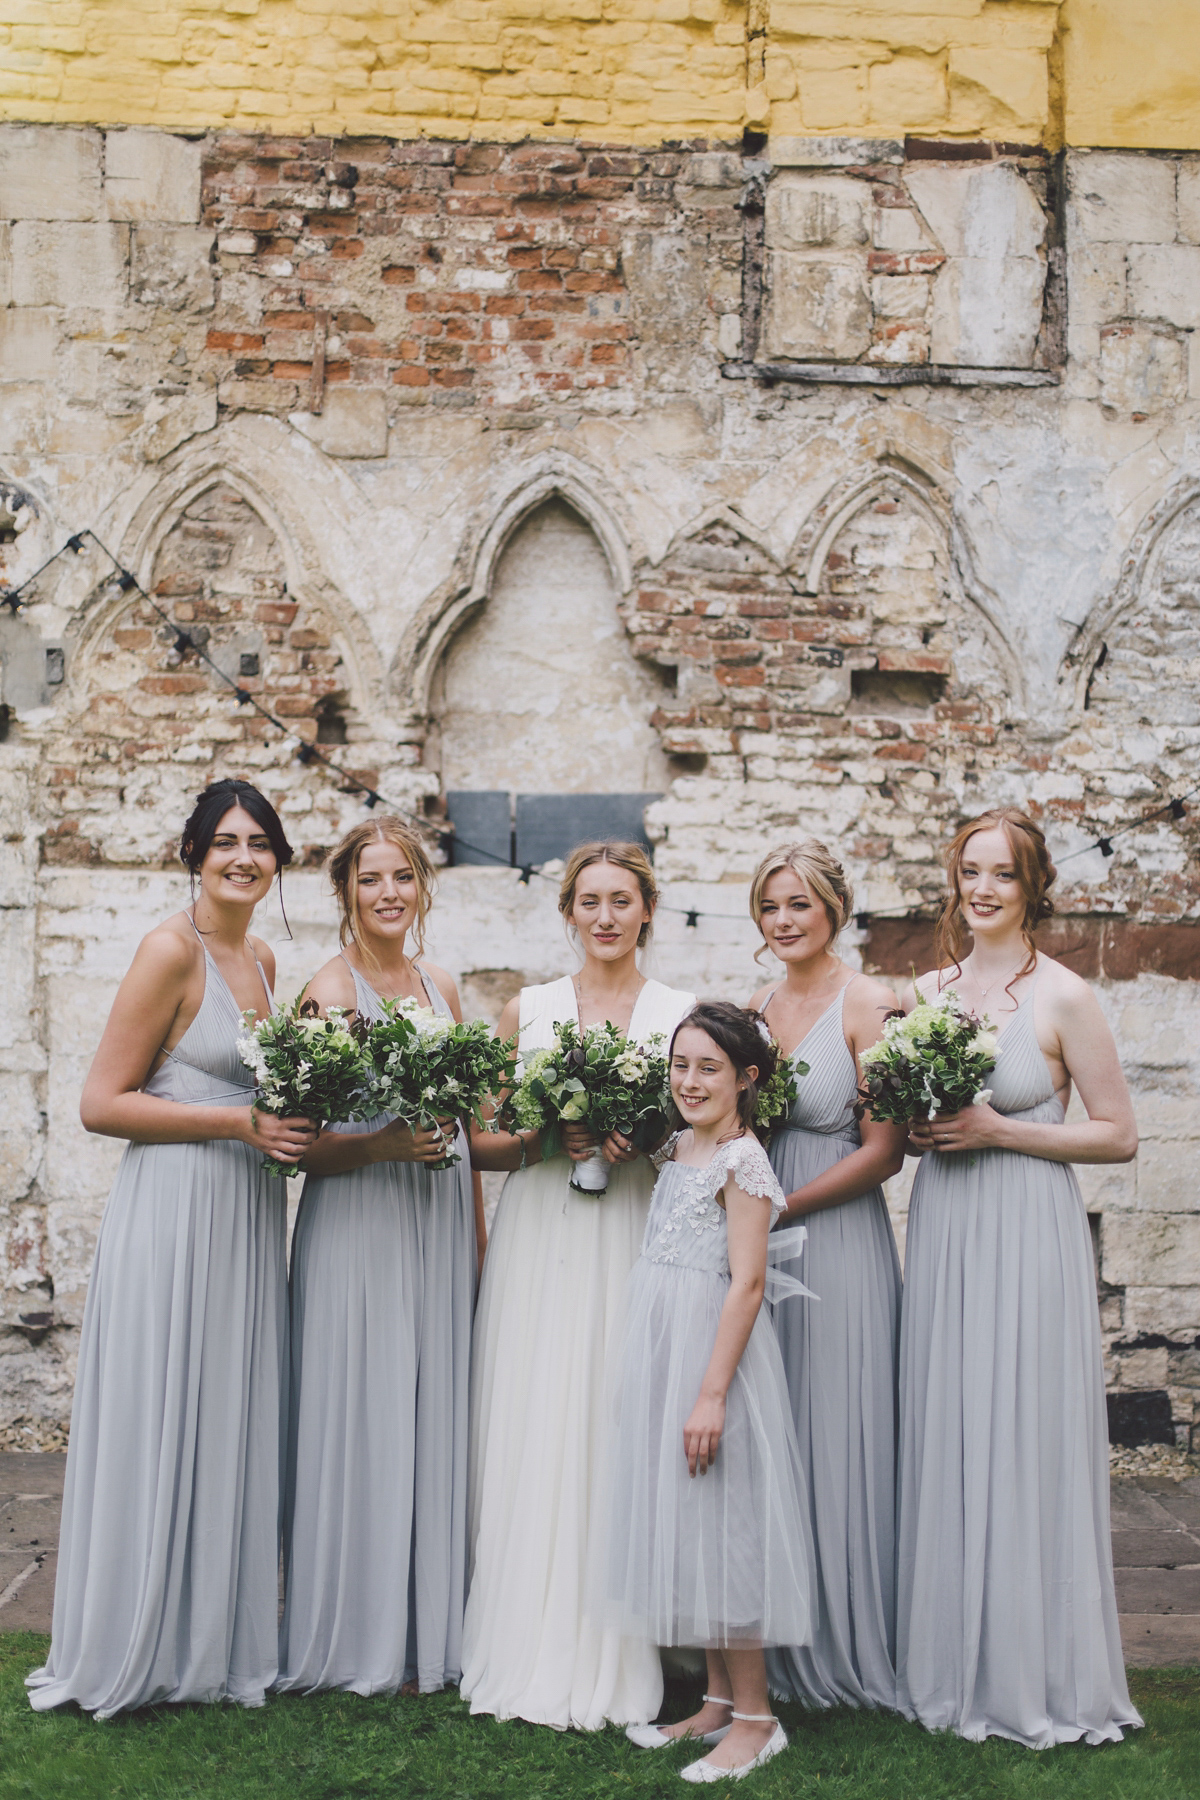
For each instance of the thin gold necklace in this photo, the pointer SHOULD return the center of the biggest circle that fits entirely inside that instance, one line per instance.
(985, 991)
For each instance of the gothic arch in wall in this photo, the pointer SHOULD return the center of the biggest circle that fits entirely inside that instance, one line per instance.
(1136, 662)
(144, 720)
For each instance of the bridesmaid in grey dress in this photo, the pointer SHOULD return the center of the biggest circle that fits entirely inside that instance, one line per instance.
(384, 1263)
(169, 1550)
(1006, 1617)
(840, 1350)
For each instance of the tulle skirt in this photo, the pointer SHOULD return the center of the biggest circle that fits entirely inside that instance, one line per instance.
(722, 1559)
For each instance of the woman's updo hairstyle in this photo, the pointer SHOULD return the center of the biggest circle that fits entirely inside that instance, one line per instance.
(1035, 874)
(630, 857)
(343, 874)
(822, 875)
(219, 798)
(744, 1036)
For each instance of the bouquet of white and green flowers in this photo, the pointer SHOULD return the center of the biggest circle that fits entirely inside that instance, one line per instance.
(599, 1078)
(935, 1059)
(305, 1067)
(426, 1067)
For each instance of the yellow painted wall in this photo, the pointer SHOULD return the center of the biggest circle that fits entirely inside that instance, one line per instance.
(1132, 73)
(627, 71)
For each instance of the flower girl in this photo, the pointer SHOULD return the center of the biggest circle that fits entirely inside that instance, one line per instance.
(709, 1541)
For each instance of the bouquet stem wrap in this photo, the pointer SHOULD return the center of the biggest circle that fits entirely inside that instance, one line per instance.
(599, 1078)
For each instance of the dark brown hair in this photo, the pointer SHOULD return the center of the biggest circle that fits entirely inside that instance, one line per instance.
(1035, 873)
(219, 798)
(743, 1034)
(630, 857)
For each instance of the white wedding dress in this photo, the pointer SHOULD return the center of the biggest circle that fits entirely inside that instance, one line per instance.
(553, 1280)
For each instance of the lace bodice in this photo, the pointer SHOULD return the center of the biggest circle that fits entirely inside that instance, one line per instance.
(687, 1222)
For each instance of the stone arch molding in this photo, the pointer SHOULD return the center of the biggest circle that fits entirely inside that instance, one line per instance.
(139, 542)
(1137, 569)
(929, 492)
(551, 478)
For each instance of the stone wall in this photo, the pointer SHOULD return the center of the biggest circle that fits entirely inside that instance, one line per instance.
(630, 71)
(857, 566)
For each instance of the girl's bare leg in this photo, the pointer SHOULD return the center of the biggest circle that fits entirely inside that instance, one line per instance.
(746, 1678)
(711, 1716)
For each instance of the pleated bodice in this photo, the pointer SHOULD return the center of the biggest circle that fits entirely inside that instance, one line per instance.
(1020, 1083)
(826, 1096)
(204, 1068)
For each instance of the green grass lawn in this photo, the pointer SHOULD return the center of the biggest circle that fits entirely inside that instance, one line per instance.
(337, 1747)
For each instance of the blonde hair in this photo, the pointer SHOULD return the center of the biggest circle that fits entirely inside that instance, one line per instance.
(343, 873)
(1036, 875)
(630, 857)
(821, 873)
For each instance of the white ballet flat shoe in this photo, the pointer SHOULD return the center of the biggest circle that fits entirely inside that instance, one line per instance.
(649, 1737)
(705, 1771)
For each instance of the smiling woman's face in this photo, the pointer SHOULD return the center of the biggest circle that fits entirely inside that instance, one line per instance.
(240, 864)
(386, 890)
(792, 919)
(990, 894)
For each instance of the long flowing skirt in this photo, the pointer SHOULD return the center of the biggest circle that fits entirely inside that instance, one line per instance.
(552, 1283)
(1006, 1615)
(375, 1526)
(168, 1571)
(840, 1354)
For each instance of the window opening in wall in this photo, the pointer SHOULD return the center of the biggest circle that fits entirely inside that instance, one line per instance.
(331, 724)
(492, 826)
(894, 693)
(55, 666)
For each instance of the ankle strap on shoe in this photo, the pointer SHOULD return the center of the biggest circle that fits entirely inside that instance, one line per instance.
(718, 1700)
(757, 1718)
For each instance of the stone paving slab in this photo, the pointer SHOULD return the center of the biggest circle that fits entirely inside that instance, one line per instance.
(1156, 1554)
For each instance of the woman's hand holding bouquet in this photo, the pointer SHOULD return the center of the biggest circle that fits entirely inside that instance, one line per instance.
(429, 1072)
(305, 1067)
(598, 1080)
(929, 1071)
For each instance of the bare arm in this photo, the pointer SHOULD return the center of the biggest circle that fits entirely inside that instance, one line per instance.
(1088, 1054)
(146, 1008)
(749, 1222)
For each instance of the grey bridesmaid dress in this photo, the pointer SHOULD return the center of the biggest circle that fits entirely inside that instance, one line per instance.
(168, 1568)
(840, 1355)
(375, 1519)
(1006, 1616)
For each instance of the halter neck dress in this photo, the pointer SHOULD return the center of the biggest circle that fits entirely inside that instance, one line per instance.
(1006, 1617)
(553, 1278)
(168, 1562)
(840, 1355)
(375, 1522)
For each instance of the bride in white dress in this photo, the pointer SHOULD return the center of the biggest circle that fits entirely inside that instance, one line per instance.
(555, 1270)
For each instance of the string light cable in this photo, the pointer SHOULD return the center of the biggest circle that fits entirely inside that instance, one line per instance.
(307, 753)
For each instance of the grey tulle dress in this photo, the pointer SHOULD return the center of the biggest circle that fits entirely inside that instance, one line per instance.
(722, 1559)
(375, 1522)
(840, 1356)
(168, 1562)
(1006, 1619)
